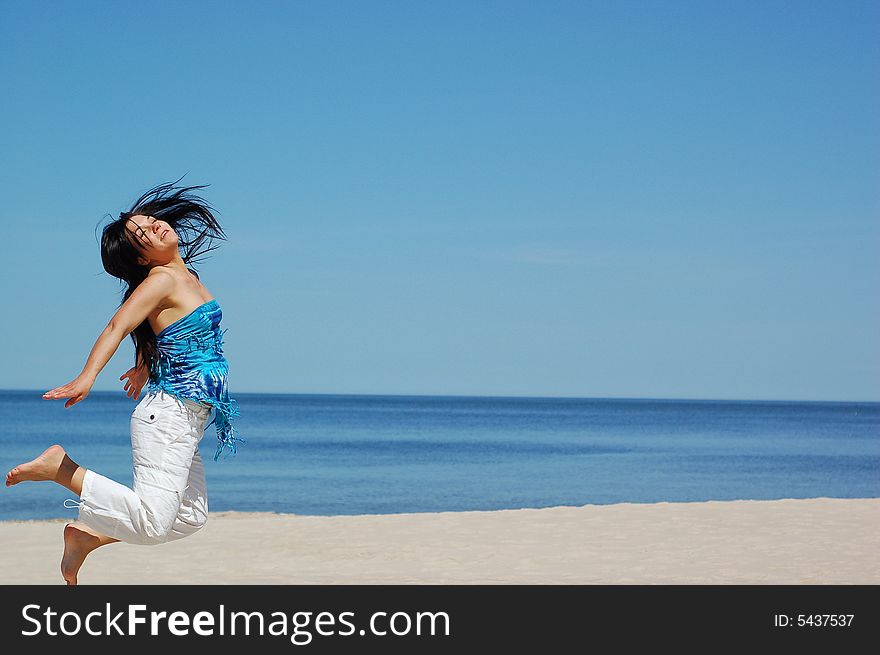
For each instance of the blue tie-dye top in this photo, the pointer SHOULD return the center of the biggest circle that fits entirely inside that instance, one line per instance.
(191, 365)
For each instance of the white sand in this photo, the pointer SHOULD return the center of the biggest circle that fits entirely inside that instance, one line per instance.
(813, 541)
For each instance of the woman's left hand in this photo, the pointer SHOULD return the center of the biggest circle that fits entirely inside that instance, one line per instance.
(137, 378)
(77, 390)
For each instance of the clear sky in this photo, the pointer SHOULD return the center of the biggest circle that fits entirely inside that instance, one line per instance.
(599, 199)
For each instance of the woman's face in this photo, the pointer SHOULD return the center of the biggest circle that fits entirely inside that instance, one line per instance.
(155, 239)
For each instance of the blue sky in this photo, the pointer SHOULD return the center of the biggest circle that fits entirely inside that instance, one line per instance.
(599, 199)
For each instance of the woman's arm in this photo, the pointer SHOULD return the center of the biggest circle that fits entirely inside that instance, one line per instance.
(134, 311)
(137, 377)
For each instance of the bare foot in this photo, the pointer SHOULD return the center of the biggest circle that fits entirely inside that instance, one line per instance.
(77, 544)
(44, 467)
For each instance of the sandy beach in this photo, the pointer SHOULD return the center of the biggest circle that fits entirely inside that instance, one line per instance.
(790, 541)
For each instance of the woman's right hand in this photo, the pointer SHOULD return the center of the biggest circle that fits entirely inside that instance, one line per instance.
(137, 378)
(77, 390)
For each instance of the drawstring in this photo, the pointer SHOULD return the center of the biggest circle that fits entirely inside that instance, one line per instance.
(76, 503)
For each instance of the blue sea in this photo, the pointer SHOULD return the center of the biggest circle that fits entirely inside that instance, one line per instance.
(362, 454)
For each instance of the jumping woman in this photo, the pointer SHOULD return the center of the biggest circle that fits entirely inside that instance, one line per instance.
(174, 322)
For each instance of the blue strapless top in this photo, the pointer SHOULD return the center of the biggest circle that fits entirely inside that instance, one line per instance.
(191, 365)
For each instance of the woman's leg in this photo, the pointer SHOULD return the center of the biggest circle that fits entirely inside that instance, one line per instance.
(53, 465)
(79, 541)
(193, 512)
(56, 466)
(163, 441)
(167, 472)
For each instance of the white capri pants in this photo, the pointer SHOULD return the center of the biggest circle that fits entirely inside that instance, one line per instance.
(169, 499)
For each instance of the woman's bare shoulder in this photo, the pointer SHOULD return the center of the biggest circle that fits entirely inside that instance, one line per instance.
(187, 296)
(184, 290)
(169, 283)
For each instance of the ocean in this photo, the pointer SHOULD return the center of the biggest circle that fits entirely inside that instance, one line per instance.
(363, 454)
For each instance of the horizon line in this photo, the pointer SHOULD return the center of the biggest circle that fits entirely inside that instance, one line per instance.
(521, 397)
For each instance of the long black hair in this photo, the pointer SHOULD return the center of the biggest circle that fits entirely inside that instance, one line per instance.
(190, 216)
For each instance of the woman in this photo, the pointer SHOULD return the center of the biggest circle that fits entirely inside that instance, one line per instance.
(174, 322)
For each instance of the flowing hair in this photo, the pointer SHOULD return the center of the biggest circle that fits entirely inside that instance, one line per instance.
(191, 217)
